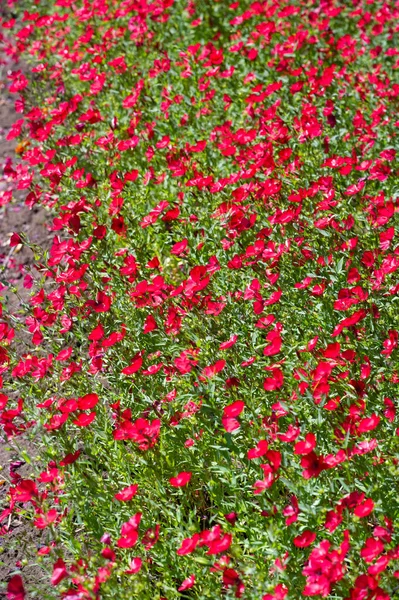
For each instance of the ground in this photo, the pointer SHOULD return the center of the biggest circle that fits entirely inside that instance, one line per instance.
(14, 263)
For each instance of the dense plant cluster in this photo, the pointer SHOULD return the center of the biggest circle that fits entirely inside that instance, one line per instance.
(207, 366)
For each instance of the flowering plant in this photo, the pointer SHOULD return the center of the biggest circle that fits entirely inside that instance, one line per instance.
(206, 365)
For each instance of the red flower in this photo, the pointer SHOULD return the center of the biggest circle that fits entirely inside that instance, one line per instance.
(368, 423)
(70, 458)
(127, 493)
(188, 545)
(291, 511)
(129, 533)
(87, 402)
(135, 566)
(220, 545)
(390, 411)
(150, 324)
(24, 491)
(150, 537)
(349, 321)
(47, 519)
(260, 450)
(365, 508)
(56, 422)
(212, 370)
(274, 297)
(15, 588)
(232, 579)
(128, 541)
(280, 592)
(313, 465)
(307, 446)
(229, 343)
(231, 518)
(275, 344)
(275, 382)
(59, 572)
(181, 479)
(84, 420)
(305, 539)
(234, 409)
(187, 583)
(134, 366)
(333, 520)
(263, 484)
(101, 304)
(229, 422)
(179, 247)
(371, 549)
(324, 568)
(144, 433)
(152, 217)
(290, 435)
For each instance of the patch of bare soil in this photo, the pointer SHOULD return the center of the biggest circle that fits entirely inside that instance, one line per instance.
(15, 262)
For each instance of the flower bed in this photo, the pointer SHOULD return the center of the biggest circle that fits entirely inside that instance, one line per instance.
(208, 363)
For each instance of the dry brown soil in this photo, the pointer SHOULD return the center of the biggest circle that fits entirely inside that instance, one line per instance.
(14, 263)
